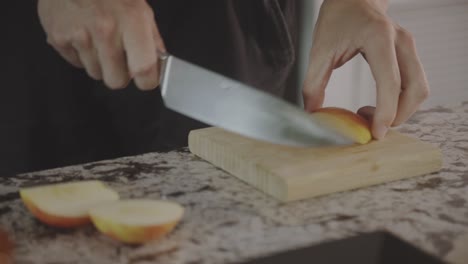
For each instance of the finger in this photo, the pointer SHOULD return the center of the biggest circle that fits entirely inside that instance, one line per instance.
(318, 75)
(111, 55)
(381, 56)
(413, 79)
(140, 47)
(65, 49)
(160, 48)
(70, 55)
(158, 40)
(87, 53)
(367, 112)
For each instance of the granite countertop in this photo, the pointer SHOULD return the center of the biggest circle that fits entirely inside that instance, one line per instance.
(227, 221)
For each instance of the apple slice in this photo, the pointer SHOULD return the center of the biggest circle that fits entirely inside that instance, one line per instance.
(66, 204)
(136, 220)
(345, 122)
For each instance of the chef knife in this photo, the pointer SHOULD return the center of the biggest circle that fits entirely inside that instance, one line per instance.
(220, 101)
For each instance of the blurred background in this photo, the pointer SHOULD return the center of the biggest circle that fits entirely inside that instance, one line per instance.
(440, 28)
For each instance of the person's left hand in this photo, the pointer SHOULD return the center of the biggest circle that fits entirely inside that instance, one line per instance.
(347, 27)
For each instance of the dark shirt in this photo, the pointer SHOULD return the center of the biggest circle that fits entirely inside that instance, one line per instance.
(52, 114)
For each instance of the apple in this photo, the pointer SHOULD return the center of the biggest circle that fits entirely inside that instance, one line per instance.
(136, 221)
(74, 204)
(345, 122)
(66, 204)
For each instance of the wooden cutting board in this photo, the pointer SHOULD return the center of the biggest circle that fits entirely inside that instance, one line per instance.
(292, 173)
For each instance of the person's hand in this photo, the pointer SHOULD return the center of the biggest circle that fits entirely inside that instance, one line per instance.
(347, 27)
(113, 40)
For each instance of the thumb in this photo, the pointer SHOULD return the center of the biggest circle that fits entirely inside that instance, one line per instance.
(317, 77)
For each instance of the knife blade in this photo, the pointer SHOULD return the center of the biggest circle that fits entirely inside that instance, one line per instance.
(217, 100)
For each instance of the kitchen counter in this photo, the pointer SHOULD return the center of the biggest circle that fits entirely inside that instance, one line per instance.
(227, 221)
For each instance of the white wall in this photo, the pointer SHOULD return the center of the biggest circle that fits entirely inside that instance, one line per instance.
(441, 32)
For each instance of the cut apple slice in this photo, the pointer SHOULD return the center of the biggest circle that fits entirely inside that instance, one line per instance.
(345, 122)
(66, 204)
(138, 220)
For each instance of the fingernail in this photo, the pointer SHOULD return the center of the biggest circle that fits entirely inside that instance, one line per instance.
(380, 132)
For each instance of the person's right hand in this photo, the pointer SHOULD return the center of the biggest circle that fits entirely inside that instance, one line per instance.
(113, 40)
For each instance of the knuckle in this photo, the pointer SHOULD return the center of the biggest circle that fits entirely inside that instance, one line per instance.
(95, 75)
(94, 72)
(313, 93)
(147, 83)
(384, 25)
(423, 93)
(405, 37)
(143, 70)
(426, 93)
(394, 84)
(132, 4)
(56, 39)
(81, 39)
(306, 92)
(105, 27)
(138, 9)
(117, 83)
(382, 28)
(115, 54)
(419, 91)
(386, 118)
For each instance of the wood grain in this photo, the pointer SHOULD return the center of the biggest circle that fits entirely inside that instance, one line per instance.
(292, 173)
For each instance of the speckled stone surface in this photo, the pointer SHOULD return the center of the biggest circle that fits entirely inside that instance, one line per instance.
(227, 221)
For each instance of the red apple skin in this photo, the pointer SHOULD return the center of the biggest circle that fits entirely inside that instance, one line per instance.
(353, 117)
(133, 234)
(351, 124)
(54, 220)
